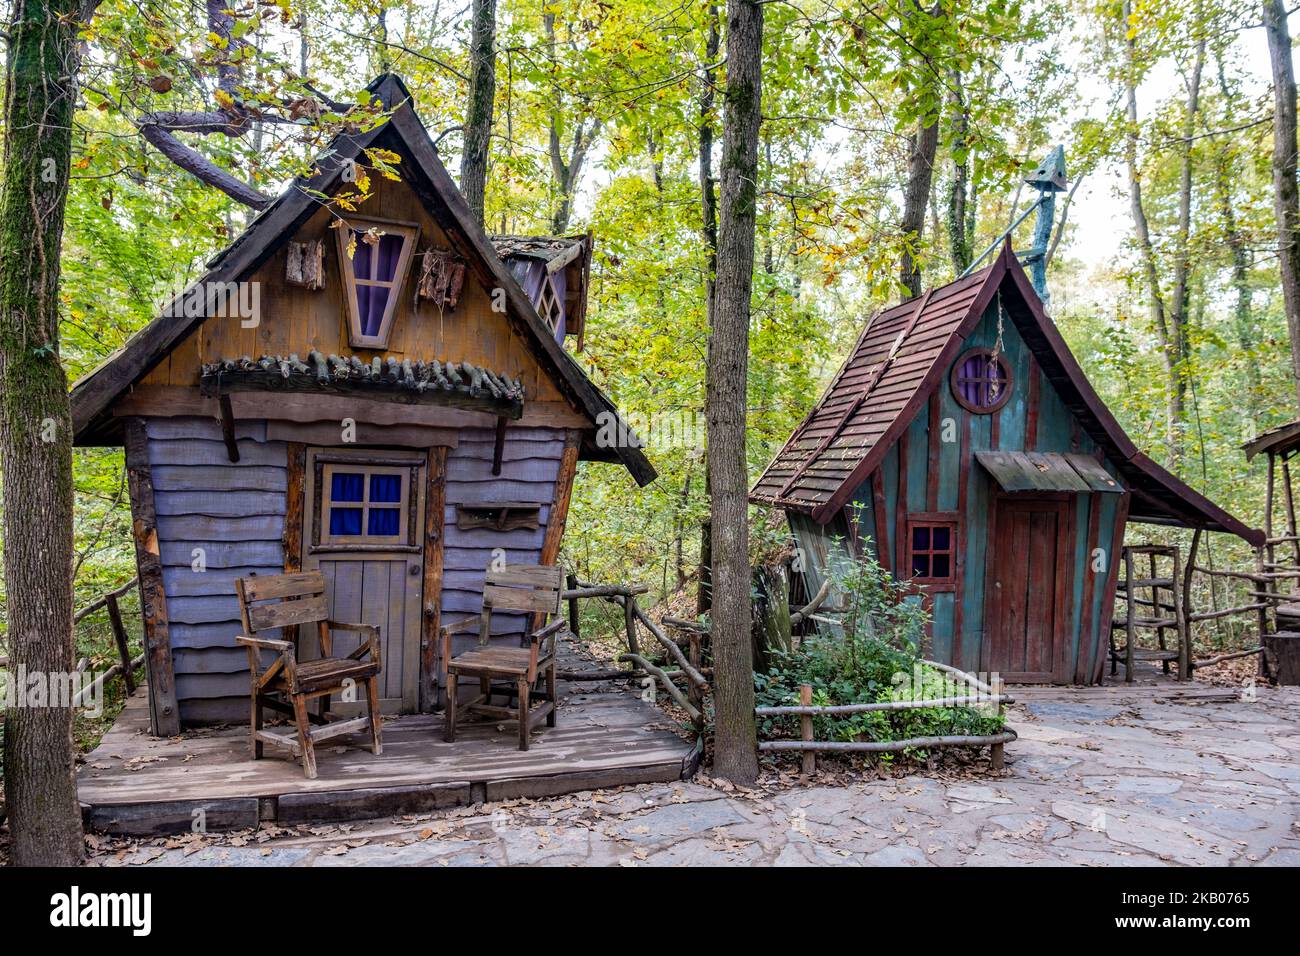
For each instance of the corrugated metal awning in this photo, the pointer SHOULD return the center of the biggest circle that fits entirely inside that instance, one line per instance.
(1047, 471)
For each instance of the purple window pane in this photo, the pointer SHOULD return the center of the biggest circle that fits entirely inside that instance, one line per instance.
(389, 248)
(940, 539)
(361, 256)
(940, 565)
(345, 521)
(921, 565)
(384, 521)
(371, 300)
(347, 486)
(972, 370)
(921, 539)
(385, 488)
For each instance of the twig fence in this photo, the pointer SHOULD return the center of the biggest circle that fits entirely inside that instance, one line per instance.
(126, 665)
(688, 669)
(809, 747)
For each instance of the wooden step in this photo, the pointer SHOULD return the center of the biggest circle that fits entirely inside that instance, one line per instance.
(1145, 654)
(1122, 622)
(1150, 549)
(1148, 583)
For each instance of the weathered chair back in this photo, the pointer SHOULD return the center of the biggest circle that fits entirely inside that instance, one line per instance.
(533, 588)
(283, 601)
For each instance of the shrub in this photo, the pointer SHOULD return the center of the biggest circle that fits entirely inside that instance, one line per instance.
(871, 658)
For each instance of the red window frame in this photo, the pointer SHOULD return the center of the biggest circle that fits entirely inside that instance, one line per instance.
(923, 549)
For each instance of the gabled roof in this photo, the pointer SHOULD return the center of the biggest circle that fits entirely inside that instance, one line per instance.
(94, 394)
(570, 255)
(900, 359)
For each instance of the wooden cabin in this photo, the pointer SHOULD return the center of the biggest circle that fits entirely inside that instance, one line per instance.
(400, 411)
(962, 447)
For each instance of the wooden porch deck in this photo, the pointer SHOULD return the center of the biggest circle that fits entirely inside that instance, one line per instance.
(136, 784)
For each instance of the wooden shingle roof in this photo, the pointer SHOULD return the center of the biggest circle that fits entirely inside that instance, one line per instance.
(875, 388)
(897, 363)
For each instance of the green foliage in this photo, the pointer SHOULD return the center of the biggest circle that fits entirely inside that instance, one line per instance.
(873, 658)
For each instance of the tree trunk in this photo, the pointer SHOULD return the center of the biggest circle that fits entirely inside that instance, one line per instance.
(959, 247)
(565, 169)
(478, 112)
(735, 753)
(1232, 232)
(709, 226)
(1286, 199)
(1146, 250)
(36, 427)
(920, 172)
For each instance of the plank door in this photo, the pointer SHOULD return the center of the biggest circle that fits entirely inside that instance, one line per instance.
(363, 530)
(1025, 600)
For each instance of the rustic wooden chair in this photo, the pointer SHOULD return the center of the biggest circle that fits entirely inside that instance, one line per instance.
(288, 684)
(534, 589)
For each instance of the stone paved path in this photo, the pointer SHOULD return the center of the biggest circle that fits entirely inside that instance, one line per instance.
(1112, 778)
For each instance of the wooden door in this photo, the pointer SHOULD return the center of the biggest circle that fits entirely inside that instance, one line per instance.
(363, 529)
(1028, 579)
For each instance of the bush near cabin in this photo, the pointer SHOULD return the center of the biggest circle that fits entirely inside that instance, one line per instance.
(873, 657)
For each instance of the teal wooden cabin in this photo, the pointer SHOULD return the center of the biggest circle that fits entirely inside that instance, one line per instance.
(962, 447)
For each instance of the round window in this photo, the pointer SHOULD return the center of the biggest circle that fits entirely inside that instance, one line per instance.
(981, 381)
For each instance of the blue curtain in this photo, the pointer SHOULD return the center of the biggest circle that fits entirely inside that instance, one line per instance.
(385, 488)
(345, 521)
(346, 486)
(384, 521)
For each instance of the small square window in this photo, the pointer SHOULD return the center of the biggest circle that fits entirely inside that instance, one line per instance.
(930, 555)
(364, 505)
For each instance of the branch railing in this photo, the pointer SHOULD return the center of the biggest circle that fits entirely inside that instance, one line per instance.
(126, 665)
(809, 746)
(688, 669)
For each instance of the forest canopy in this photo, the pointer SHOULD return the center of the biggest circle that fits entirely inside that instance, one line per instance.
(891, 132)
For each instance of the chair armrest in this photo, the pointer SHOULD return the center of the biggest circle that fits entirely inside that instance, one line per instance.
(549, 631)
(345, 626)
(459, 626)
(265, 643)
(445, 633)
(541, 643)
(368, 646)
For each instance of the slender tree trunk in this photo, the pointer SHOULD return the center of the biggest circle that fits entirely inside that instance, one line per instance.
(566, 168)
(1181, 298)
(36, 428)
(709, 227)
(1286, 198)
(735, 753)
(1146, 250)
(478, 112)
(920, 173)
(959, 248)
(1233, 234)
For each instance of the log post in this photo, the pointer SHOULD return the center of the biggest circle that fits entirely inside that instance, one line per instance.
(694, 693)
(119, 638)
(997, 756)
(164, 711)
(571, 582)
(1290, 511)
(806, 731)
